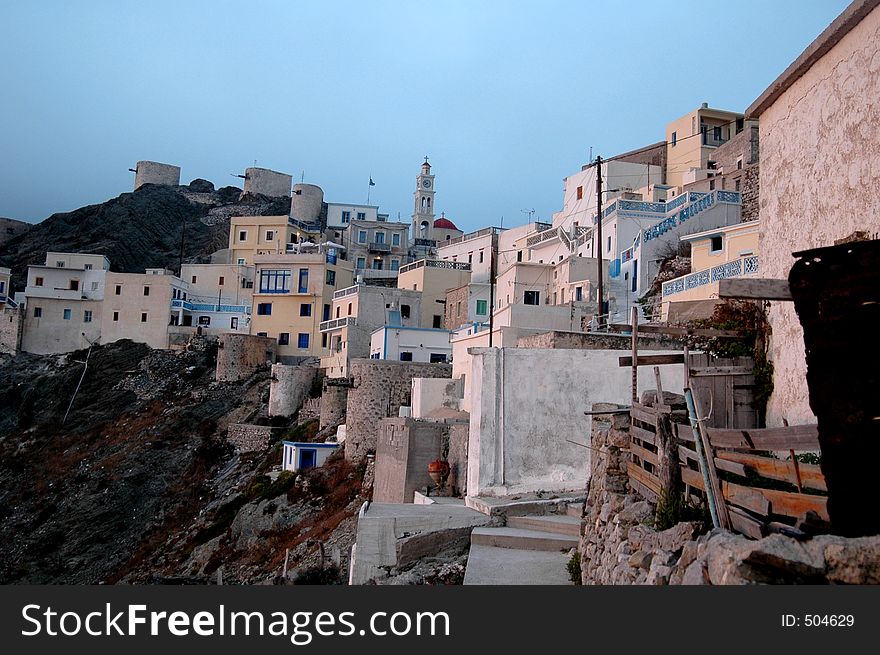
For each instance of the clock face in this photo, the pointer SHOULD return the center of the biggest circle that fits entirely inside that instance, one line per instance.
(426, 184)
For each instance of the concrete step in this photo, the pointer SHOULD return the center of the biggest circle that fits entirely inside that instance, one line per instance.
(488, 565)
(574, 509)
(556, 523)
(522, 539)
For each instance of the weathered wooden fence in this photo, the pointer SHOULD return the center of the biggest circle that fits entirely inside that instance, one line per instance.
(758, 487)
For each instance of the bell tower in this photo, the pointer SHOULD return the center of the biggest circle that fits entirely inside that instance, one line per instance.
(423, 214)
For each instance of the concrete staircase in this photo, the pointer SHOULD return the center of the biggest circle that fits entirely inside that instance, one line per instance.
(530, 549)
(621, 298)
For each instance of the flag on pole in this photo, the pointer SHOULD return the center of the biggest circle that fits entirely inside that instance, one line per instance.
(371, 182)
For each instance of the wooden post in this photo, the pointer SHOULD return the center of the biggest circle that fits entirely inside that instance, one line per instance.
(797, 472)
(660, 400)
(635, 354)
(706, 455)
(668, 468)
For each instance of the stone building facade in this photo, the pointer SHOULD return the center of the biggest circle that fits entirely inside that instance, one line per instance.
(404, 448)
(289, 387)
(241, 355)
(381, 388)
(818, 116)
(10, 330)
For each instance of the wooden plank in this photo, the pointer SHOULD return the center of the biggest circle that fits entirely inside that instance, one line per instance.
(746, 497)
(653, 360)
(645, 435)
(692, 478)
(794, 437)
(795, 505)
(639, 414)
(635, 354)
(639, 474)
(710, 371)
(731, 467)
(675, 331)
(754, 288)
(745, 524)
(685, 454)
(683, 432)
(707, 463)
(777, 469)
(644, 454)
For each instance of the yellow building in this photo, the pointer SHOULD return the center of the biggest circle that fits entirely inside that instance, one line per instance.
(433, 277)
(250, 236)
(292, 294)
(691, 142)
(716, 254)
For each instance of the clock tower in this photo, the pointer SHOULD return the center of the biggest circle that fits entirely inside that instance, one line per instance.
(423, 215)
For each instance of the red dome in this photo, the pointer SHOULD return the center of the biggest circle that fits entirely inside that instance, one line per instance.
(445, 224)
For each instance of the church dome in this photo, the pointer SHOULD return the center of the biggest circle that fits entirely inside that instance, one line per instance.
(444, 223)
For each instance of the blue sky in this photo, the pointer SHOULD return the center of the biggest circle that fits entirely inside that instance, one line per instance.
(506, 98)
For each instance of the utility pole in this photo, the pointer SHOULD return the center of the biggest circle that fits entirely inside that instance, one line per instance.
(598, 253)
(491, 287)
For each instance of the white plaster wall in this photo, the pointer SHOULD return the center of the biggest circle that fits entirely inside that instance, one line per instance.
(528, 404)
(820, 162)
(430, 394)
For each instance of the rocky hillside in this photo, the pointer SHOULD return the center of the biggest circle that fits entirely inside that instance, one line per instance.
(141, 229)
(139, 485)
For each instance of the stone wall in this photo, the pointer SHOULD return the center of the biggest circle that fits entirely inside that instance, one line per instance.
(10, 330)
(241, 355)
(380, 388)
(819, 146)
(334, 400)
(247, 438)
(751, 193)
(456, 298)
(594, 341)
(404, 448)
(311, 409)
(289, 387)
(457, 435)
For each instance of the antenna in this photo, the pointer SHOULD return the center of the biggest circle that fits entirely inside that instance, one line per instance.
(530, 212)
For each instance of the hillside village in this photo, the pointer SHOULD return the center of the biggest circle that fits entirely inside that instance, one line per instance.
(634, 391)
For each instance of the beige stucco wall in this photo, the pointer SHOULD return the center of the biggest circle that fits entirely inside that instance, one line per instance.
(820, 160)
(51, 333)
(433, 283)
(129, 305)
(736, 242)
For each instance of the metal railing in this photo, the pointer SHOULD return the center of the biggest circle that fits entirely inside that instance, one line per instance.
(210, 307)
(375, 246)
(742, 266)
(347, 291)
(336, 323)
(436, 263)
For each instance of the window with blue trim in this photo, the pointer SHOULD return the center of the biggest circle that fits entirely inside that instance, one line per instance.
(264, 309)
(303, 340)
(274, 281)
(305, 309)
(303, 280)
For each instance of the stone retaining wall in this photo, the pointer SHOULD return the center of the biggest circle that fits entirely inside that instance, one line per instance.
(247, 438)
